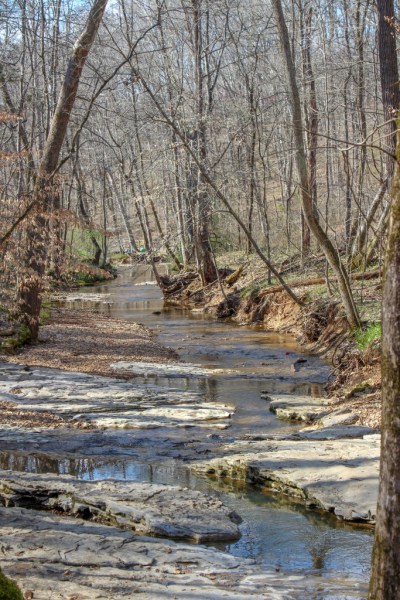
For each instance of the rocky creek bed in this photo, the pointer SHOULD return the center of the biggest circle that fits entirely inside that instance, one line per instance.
(105, 551)
(98, 473)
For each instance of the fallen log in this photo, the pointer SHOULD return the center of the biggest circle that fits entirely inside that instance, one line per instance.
(233, 277)
(318, 281)
(171, 284)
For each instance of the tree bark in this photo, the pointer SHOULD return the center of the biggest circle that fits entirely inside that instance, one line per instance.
(389, 72)
(34, 256)
(202, 208)
(385, 576)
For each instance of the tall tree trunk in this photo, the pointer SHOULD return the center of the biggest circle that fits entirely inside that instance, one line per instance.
(34, 256)
(120, 201)
(389, 72)
(385, 576)
(301, 160)
(311, 112)
(204, 255)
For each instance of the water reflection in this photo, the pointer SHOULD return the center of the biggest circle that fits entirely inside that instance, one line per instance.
(275, 530)
(83, 468)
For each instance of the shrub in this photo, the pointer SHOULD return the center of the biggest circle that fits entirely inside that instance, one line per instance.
(366, 336)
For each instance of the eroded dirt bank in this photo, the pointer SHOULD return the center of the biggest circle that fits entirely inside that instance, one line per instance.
(319, 325)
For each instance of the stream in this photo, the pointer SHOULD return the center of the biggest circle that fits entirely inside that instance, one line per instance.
(276, 531)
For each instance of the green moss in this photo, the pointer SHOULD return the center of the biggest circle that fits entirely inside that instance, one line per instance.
(251, 291)
(8, 589)
(85, 274)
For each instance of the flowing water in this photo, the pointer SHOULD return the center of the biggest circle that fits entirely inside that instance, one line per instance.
(275, 530)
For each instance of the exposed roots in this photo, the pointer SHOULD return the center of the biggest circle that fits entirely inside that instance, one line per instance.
(316, 318)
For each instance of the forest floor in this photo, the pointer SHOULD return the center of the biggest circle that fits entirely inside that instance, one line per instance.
(88, 342)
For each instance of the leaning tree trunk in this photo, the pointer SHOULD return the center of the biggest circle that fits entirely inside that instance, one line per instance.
(328, 248)
(385, 576)
(357, 250)
(34, 255)
(208, 179)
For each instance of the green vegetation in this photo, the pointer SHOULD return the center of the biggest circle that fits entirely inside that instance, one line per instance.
(82, 243)
(251, 291)
(15, 342)
(118, 256)
(316, 291)
(85, 274)
(45, 311)
(8, 589)
(366, 336)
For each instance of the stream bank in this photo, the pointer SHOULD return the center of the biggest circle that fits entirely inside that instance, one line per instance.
(320, 327)
(164, 429)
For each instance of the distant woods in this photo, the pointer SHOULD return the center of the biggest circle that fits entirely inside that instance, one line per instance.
(197, 128)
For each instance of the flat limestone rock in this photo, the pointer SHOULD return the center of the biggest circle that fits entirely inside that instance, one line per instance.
(83, 297)
(108, 403)
(335, 432)
(297, 408)
(168, 369)
(343, 416)
(339, 476)
(181, 416)
(146, 508)
(111, 445)
(70, 559)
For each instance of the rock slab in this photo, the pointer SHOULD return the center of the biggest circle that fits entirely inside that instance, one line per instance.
(297, 408)
(145, 508)
(69, 559)
(108, 403)
(339, 476)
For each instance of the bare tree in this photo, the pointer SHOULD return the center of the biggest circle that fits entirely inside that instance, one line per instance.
(301, 161)
(385, 577)
(31, 286)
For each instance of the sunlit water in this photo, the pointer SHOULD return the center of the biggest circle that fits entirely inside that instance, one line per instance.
(275, 530)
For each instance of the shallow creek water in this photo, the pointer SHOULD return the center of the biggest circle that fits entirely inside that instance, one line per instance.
(275, 530)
